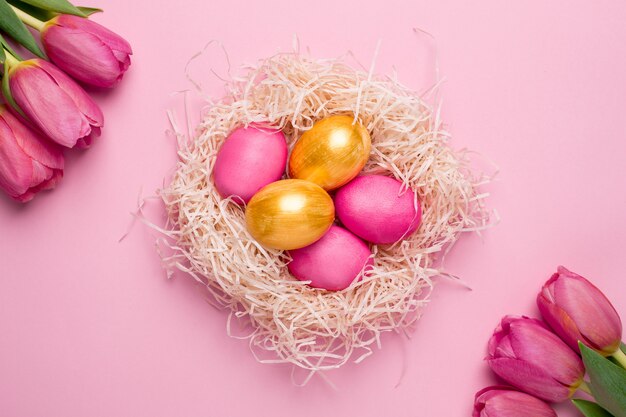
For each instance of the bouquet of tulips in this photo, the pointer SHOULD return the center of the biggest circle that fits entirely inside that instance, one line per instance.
(45, 108)
(547, 362)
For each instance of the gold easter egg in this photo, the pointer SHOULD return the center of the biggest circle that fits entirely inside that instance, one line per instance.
(289, 214)
(331, 153)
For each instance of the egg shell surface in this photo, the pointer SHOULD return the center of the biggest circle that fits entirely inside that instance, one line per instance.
(331, 153)
(377, 209)
(289, 214)
(249, 159)
(333, 262)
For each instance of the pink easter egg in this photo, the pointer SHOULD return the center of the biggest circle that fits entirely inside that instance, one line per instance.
(249, 159)
(333, 262)
(377, 209)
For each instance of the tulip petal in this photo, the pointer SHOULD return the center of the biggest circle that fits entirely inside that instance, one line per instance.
(588, 307)
(506, 402)
(86, 142)
(66, 47)
(28, 163)
(83, 101)
(123, 59)
(530, 378)
(34, 146)
(48, 106)
(110, 38)
(559, 321)
(504, 348)
(531, 341)
(15, 165)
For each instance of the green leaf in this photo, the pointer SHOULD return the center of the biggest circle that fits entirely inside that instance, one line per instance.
(4, 45)
(608, 381)
(3, 54)
(89, 10)
(57, 6)
(13, 26)
(590, 409)
(39, 14)
(7, 92)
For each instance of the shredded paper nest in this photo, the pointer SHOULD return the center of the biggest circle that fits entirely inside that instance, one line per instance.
(288, 320)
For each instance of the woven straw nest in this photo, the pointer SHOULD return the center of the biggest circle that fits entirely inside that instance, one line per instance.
(290, 321)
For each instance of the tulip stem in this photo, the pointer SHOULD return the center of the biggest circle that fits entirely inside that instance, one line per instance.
(10, 59)
(585, 387)
(620, 357)
(28, 19)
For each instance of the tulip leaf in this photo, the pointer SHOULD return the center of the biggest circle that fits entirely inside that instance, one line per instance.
(590, 409)
(608, 381)
(89, 10)
(35, 12)
(13, 26)
(6, 91)
(4, 45)
(3, 54)
(57, 6)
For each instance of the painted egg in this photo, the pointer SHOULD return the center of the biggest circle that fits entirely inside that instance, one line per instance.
(331, 153)
(250, 158)
(333, 262)
(289, 214)
(377, 209)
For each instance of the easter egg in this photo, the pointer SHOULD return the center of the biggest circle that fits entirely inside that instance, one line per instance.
(289, 214)
(331, 153)
(249, 159)
(377, 209)
(333, 262)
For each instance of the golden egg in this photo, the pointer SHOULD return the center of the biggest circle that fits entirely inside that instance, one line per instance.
(331, 153)
(289, 214)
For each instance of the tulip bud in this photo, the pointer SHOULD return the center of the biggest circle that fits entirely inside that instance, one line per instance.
(578, 311)
(54, 103)
(28, 162)
(523, 352)
(86, 50)
(505, 402)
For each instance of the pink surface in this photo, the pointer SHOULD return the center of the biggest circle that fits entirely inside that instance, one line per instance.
(91, 327)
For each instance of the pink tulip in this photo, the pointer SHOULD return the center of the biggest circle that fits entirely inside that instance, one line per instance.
(523, 352)
(577, 310)
(86, 50)
(28, 162)
(55, 103)
(505, 402)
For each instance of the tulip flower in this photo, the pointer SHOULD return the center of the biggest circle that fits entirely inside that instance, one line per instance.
(505, 402)
(524, 353)
(82, 48)
(53, 102)
(86, 50)
(28, 162)
(578, 311)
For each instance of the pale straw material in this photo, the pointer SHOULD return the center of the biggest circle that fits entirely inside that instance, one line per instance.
(287, 320)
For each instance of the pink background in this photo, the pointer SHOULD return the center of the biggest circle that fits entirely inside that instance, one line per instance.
(91, 327)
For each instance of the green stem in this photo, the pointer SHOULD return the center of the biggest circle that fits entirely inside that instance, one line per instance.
(585, 387)
(620, 357)
(10, 59)
(28, 19)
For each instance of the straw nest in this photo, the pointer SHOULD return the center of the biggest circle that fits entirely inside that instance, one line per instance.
(288, 320)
